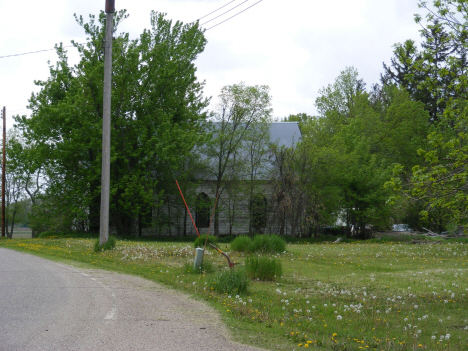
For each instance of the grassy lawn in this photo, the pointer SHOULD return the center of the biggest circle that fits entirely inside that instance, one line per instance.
(346, 296)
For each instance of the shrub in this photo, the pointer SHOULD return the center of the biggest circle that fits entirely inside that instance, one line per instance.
(268, 243)
(200, 241)
(241, 243)
(263, 268)
(109, 245)
(233, 281)
(260, 243)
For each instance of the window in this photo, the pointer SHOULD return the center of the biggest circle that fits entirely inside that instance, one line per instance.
(202, 211)
(259, 211)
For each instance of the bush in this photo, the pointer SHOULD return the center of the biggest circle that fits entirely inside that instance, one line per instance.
(263, 268)
(233, 281)
(268, 243)
(200, 241)
(241, 243)
(260, 243)
(109, 245)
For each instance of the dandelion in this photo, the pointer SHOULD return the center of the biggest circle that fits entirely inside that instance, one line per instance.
(339, 317)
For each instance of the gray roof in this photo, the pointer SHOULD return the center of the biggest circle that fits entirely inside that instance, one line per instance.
(285, 133)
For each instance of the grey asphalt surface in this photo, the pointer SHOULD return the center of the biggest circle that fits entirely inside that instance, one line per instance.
(46, 305)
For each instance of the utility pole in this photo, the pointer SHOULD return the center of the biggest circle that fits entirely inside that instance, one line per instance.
(3, 171)
(106, 119)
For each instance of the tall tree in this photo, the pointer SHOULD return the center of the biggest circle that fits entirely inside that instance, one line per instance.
(156, 107)
(353, 146)
(240, 110)
(434, 75)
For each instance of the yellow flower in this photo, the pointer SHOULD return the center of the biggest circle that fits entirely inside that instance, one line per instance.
(306, 345)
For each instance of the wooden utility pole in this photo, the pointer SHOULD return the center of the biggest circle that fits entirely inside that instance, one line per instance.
(106, 119)
(3, 171)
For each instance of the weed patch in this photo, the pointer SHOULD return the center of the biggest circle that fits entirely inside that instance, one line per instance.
(233, 281)
(206, 267)
(200, 241)
(263, 268)
(260, 243)
(241, 243)
(109, 245)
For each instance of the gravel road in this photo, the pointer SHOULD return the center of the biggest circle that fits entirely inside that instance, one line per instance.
(46, 305)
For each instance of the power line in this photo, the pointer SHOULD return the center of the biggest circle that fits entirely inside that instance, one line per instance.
(69, 46)
(224, 13)
(235, 15)
(215, 10)
(33, 52)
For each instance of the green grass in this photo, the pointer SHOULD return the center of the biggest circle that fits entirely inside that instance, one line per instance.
(260, 243)
(242, 243)
(263, 268)
(108, 245)
(231, 281)
(350, 296)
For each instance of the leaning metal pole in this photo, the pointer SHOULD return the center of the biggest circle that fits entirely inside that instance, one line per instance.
(106, 132)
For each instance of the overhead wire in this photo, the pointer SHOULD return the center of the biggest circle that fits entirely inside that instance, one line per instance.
(235, 15)
(69, 46)
(33, 52)
(215, 10)
(224, 13)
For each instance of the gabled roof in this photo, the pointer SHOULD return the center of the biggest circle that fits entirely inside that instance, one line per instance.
(285, 133)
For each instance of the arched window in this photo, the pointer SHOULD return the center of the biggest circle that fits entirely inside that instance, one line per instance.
(259, 212)
(202, 211)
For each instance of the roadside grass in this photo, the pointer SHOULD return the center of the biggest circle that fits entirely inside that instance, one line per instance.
(347, 296)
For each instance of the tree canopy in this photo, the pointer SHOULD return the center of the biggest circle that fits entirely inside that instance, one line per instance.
(157, 104)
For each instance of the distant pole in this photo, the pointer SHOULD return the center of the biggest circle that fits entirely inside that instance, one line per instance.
(106, 119)
(3, 171)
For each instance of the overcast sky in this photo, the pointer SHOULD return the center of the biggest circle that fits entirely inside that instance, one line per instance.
(296, 47)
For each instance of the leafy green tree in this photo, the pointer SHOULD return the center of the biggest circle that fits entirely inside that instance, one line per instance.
(436, 74)
(353, 146)
(441, 65)
(156, 109)
(440, 180)
(24, 162)
(241, 110)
